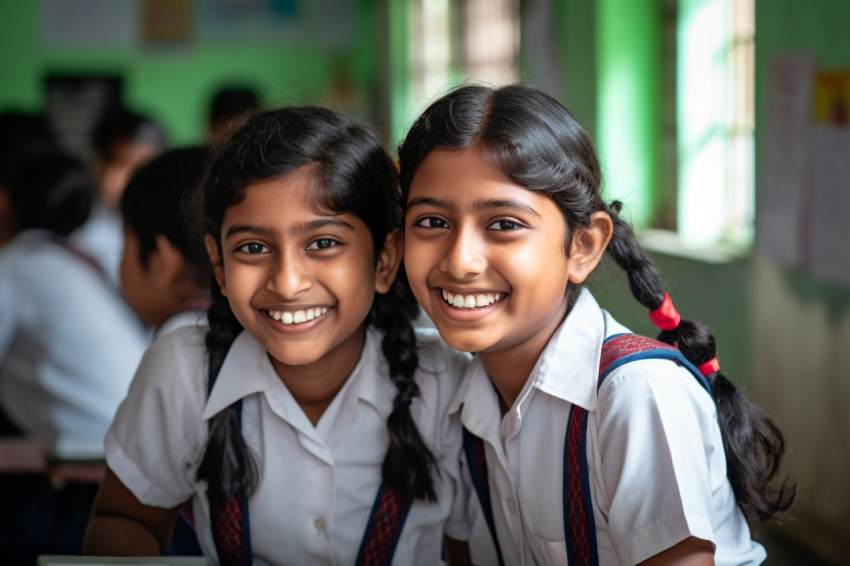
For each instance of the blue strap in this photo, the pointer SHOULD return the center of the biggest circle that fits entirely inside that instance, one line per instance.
(473, 447)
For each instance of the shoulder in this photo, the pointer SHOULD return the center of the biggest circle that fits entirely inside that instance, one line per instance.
(176, 358)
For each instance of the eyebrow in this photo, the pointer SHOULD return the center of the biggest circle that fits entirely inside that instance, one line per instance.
(477, 205)
(332, 221)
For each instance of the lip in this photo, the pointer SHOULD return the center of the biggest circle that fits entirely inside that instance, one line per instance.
(466, 315)
(295, 327)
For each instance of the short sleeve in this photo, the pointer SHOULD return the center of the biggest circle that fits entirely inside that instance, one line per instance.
(157, 436)
(657, 431)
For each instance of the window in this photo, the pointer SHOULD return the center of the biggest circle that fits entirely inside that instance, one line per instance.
(716, 121)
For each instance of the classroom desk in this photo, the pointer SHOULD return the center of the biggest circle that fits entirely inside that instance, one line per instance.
(54, 560)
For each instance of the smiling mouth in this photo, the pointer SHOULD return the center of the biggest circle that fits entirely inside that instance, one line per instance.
(471, 301)
(297, 317)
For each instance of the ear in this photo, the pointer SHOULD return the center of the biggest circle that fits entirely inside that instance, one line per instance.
(588, 245)
(388, 261)
(215, 260)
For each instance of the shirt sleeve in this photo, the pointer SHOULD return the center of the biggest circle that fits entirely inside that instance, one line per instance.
(157, 436)
(657, 433)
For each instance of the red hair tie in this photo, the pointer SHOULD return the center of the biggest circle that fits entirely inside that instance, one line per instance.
(709, 367)
(665, 317)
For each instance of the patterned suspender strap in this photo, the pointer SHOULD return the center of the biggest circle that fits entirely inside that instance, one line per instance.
(579, 525)
(231, 528)
(473, 447)
(384, 528)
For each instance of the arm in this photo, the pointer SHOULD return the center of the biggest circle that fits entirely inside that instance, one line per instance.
(121, 525)
(690, 552)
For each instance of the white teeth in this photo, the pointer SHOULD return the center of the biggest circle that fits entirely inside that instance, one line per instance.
(469, 301)
(289, 317)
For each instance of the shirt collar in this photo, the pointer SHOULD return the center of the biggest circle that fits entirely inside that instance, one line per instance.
(247, 370)
(567, 369)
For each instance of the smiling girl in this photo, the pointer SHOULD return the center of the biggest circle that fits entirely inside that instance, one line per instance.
(584, 444)
(307, 424)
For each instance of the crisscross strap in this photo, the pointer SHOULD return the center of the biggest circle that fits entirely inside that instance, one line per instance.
(232, 530)
(579, 524)
(382, 532)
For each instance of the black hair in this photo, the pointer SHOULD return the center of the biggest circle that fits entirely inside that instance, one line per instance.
(159, 199)
(121, 125)
(352, 173)
(51, 190)
(22, 134)
(538, 144)
(232, 102)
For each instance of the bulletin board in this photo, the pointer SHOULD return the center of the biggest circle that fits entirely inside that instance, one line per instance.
(803, 199)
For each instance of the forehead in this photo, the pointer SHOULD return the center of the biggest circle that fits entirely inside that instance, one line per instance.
(291, 203)
(467, 179)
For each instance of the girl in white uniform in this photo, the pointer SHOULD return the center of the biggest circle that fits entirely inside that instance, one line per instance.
(309, 400)
(573, 455)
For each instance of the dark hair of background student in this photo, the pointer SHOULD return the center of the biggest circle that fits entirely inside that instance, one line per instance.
(159, 199)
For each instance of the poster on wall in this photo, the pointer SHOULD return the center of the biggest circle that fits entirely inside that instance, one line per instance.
(784, 183)
(88, 22)
(804, 193)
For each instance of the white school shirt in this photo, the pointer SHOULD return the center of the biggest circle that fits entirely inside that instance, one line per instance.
(657, 469)
(317, 484)
(69, 344)
(102, 237)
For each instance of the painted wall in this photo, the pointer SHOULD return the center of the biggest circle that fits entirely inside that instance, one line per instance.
(801, 325)
(174, 83)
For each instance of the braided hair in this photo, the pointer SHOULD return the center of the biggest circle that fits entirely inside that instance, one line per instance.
(538, 144)
(353, 174)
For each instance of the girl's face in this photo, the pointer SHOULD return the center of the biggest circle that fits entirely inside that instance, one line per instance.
(486, 258)
(300, 281)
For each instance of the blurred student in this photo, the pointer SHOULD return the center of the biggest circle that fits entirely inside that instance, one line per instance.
(121, 142)
(69, 346)
(165, 269)
(230, 107)
(21, 134)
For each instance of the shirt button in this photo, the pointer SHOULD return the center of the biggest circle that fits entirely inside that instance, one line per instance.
(511, 506)
(319, 523)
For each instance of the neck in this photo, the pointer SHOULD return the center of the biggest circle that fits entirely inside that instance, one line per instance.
(508, 371)
(509, 368)
(315, 385)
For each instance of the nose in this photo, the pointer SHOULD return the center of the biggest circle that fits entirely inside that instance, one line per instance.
(290, 276)
(465, 255)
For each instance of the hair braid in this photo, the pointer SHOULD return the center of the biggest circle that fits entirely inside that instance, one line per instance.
(228, 466)
(752, 441)
(409, 465)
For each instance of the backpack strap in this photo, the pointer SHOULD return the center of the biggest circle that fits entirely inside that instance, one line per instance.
(579, 523)
(473, 447)
(382, 533)
(232, 530)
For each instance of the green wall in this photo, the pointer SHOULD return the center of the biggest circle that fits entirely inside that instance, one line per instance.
(174, 83)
